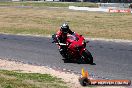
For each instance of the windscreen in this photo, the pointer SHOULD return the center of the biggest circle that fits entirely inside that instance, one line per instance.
(73, 37)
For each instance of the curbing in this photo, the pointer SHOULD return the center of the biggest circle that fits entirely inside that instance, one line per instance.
(90, 38)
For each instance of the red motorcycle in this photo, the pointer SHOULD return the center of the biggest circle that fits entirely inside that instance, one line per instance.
(75, 49)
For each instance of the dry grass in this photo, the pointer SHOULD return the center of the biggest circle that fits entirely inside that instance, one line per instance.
(49, 4)
(47, 21)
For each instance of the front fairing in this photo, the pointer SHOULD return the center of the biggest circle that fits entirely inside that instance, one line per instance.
(76, 42)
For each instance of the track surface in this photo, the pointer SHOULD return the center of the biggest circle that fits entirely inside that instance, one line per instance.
(113, 60)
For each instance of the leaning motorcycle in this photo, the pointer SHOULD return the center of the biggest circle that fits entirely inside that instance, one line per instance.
(75, 49)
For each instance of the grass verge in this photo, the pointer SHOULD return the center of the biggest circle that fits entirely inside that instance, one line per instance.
(43, 21)
(10, 79)
(49, 4)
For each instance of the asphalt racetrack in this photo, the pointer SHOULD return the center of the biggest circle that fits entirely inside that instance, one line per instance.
(113, 59)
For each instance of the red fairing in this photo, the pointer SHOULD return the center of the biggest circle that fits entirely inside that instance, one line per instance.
(75, 47)
(75, 41)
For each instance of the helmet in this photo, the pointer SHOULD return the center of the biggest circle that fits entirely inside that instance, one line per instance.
(65, 28)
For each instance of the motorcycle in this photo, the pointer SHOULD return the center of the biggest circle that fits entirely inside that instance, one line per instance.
(74, 49)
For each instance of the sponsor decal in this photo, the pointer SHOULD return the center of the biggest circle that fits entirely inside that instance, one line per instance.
(85, 80)
(120, 10)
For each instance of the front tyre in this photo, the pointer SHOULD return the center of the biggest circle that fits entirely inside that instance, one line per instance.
(87, 57)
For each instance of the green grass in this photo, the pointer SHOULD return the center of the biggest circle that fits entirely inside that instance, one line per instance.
(11, 79)
(48, 4)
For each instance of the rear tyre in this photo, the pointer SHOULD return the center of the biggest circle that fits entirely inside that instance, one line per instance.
(64, 54)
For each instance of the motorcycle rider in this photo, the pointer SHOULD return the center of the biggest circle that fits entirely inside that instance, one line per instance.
(62, 33)
(62, 36)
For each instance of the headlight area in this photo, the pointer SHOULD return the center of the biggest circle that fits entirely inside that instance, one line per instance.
(78, 47)
(83, 41)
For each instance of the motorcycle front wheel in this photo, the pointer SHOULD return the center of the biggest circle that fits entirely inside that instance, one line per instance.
(86, 57)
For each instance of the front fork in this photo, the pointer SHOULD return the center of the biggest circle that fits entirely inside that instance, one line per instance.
(80, 52)
(83, 50)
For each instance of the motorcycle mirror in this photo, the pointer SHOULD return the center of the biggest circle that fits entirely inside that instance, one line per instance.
(53, 35)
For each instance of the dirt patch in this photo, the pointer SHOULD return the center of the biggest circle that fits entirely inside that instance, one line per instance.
(70, 78)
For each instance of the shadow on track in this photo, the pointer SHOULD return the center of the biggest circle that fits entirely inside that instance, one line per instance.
(70, 61)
